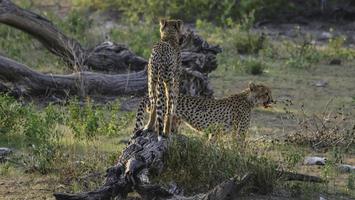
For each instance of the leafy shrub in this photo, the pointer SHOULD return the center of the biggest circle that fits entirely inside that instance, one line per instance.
(35, 129)
(253, 66)
(302, 55)
(83, 120)
(11, 113)
(351, 182)
(248, 43)
(336, 49)
(197, 164)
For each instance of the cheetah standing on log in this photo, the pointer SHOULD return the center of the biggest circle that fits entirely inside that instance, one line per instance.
(163, 76)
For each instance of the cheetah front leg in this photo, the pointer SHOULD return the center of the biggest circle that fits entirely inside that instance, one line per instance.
(152, 95)
(174, 120)
(171, 105)
(243, 124)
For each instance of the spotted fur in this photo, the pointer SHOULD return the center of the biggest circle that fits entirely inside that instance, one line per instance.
(230, 113)
(163, 76)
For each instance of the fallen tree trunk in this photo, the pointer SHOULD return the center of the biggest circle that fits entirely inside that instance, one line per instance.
(82, 83)
(28, 82)
(198, 57)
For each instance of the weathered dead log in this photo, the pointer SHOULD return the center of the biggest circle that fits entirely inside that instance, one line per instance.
(293, 176)
(4, 152)
(4, 88)
(198, 57)
(34, 83)
(26, 81)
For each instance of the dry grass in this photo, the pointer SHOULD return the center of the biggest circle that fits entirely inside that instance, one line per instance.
(330, 128)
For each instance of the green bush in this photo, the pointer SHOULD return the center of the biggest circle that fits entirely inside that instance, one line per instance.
(35, 129)
(197, 164)
(253, 66)
(302, 55)
(11, 113)
(248, 43)
(84, 120)
(336, 49)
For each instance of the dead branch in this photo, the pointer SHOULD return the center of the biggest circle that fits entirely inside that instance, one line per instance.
(34, 83)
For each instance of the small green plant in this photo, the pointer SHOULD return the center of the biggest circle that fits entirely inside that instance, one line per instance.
(303, 55)
(351, 182)
(291, 156)
(253, 66)
(11, 113)
(83, 119)
(336, 49)
(247, 42)
(5, 168)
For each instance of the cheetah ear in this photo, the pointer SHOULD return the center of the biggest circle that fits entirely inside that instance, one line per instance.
(162, 23)
(252, 86)
(178, 24)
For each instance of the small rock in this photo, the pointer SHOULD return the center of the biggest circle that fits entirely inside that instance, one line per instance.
(335, 61)
(346, 168)
(5, 151)
(320, 83)
(79, 162)
(314, 160)
(325, 36)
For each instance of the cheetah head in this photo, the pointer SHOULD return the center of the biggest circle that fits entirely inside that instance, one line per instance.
(261, 94)
(171, 29)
